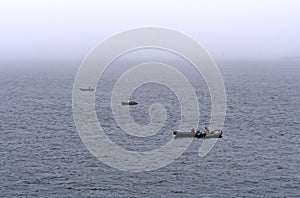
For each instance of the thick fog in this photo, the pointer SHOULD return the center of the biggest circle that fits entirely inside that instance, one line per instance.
(65, 30)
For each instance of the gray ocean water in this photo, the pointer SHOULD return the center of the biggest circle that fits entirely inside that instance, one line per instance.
(42, 155)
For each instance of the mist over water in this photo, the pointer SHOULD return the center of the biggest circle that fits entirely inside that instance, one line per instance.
(42, 154)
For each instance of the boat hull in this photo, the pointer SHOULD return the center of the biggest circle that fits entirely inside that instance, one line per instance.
(211, 134)
(129, 103)
(91, 89)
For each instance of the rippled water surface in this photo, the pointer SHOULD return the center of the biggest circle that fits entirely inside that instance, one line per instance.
(42, 154)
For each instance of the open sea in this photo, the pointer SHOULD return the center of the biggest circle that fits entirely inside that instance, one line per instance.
(42, 155)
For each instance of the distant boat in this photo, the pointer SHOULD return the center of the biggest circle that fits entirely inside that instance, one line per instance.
(129, 103)
(211, 134)
(87, 89)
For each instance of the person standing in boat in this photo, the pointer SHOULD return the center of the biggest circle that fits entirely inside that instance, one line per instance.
(206, 130)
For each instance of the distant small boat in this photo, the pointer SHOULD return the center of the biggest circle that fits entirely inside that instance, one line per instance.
(129, 103)
(87, 89)
(211, 134)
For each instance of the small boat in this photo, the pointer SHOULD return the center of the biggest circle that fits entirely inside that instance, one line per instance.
(129, 103)
(87, 89)
(211, 134)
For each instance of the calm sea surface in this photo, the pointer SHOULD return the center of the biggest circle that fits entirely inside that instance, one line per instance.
(42, 155)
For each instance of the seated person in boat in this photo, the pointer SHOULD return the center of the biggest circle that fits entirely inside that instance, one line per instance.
(198, 132)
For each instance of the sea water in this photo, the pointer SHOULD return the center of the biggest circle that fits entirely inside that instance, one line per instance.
(42, 155)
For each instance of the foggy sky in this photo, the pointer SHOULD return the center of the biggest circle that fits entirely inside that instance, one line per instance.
(59, 30)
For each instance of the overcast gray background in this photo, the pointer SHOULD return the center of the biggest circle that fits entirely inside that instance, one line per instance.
(63, 30)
